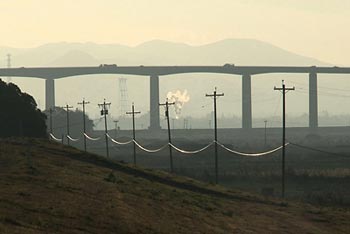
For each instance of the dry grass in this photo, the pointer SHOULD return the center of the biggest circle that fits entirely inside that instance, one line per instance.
(49, 188)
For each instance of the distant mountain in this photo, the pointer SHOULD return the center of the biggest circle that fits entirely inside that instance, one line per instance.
(75, 58)
(157, 52)
(252, 52)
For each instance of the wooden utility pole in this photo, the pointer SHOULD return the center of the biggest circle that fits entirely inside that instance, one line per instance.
(284, 90)
(67, 109)
(115, 127)
(51, 120)
(185, 123)
(167, 104)
(84, 124)
(265, 140)
(133, 112)
(104, 111)
(215, 95)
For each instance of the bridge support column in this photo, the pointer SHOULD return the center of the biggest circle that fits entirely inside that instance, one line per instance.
(313, 103)
(49, 93)
(246, 101)
(154, 103)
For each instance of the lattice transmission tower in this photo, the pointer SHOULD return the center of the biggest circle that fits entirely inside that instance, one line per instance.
(123, 90)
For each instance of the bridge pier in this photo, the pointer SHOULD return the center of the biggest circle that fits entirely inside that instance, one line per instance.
(154, 103)
(246, 101)
(49, 93)
(313, 102)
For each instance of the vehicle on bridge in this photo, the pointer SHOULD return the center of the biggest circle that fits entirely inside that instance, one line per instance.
(108, 65)
(227, 65)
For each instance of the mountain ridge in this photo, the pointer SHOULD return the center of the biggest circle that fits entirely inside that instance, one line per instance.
(238, 51)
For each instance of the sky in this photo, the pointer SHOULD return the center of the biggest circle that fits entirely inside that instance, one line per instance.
(314, 28)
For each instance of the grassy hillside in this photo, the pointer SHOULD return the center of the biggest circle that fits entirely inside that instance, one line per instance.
(50, 188)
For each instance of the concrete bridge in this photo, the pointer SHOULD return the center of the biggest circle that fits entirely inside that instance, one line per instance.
(154, 72)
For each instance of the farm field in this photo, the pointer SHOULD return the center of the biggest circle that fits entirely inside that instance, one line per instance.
(50, 188)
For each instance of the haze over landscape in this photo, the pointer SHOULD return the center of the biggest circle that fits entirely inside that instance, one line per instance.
(241, 52)
(314, 28)
(248, 134)
(291, 33)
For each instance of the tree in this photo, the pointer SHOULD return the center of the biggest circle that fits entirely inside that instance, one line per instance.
(59, 122)
(19, 115)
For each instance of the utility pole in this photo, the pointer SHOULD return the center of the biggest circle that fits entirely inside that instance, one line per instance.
(133, 112)
(265, 121)
(185, 123)
(215, 95)
(284, 89)
(67, 109)
(167, 104)
(84, 124)
(51, 120)
(104, 111)
(115, 127)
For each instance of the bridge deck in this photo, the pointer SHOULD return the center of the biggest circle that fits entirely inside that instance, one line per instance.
(61, 72)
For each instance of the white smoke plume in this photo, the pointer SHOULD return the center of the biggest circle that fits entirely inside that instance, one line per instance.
(180, 98)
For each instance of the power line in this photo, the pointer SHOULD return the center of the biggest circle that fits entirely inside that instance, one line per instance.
(305, 90)
(319, 150)
(324, 87)
(75, 123)
(323, 93)
(278, 105)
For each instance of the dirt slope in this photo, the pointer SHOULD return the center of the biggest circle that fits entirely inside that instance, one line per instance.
(49, 188)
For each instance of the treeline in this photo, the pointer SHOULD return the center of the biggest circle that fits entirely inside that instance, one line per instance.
(19, 115)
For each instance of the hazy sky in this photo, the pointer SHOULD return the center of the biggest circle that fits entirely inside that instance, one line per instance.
(316, 28)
